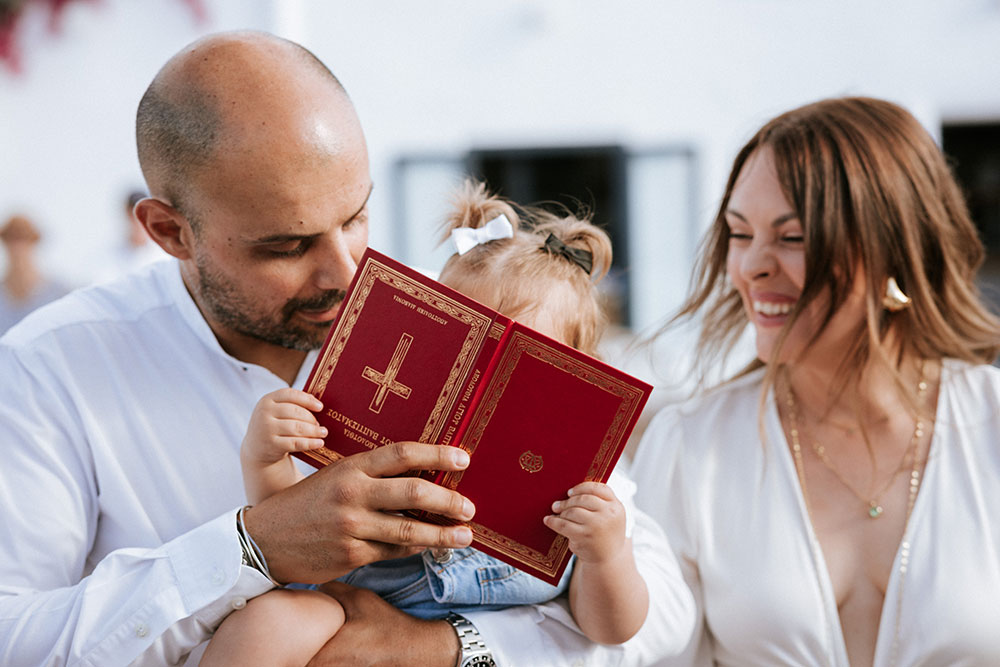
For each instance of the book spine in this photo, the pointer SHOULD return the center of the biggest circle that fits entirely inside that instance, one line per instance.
(485, 366)
(478, 378)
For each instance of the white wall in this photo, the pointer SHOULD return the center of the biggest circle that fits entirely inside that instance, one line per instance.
(449, 75)
(67, 138)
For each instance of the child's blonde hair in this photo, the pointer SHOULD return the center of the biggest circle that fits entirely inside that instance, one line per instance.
(527, 276)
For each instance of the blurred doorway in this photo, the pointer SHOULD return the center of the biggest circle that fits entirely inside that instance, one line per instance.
(644, 199)
(974, 152)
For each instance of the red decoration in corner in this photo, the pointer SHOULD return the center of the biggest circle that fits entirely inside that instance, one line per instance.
(12, 13)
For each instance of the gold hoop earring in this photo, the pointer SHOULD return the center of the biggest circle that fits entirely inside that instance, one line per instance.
(895, 299)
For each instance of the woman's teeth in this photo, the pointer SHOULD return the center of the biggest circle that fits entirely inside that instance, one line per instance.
(769, 308)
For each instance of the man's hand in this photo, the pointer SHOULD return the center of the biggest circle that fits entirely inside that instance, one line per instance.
(378, 634)
(344, 515)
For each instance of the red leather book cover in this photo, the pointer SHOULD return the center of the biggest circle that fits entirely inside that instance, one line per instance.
(411, 359)
(396, 361)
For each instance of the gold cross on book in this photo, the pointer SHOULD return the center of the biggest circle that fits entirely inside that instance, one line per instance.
(387, 381)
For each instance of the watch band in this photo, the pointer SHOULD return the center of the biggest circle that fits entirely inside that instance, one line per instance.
(475, 653)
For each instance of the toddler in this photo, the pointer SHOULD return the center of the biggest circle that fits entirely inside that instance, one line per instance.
(540, 269)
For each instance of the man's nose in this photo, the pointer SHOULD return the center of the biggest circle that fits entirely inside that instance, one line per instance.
(336, 266)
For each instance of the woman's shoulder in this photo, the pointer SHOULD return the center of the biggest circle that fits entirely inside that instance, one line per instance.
(963, 374)
(737, 395)
(972, 383)
(724, 413)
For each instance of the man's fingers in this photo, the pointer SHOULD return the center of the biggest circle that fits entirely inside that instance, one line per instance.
(400, 457)
(345, 594)
(414, 493)
(401, 530)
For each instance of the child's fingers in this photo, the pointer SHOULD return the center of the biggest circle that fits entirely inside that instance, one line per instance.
(300, 444)
(296, 428)
(560, 525)
(593, 488)
(587, 501)
(296, 397)
(292, 411)
(579, 515)
(565, 526)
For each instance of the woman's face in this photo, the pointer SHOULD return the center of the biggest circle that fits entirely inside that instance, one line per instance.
(766, 264)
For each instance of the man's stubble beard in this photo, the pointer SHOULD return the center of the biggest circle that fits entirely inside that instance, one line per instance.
(235, 309)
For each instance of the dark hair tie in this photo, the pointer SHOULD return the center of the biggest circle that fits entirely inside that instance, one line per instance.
(582, 258)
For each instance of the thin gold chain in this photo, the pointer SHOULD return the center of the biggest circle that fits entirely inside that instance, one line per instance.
(914, 488)
(874, 508)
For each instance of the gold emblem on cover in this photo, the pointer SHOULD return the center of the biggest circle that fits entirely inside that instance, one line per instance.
(386, 381)
(530, 461)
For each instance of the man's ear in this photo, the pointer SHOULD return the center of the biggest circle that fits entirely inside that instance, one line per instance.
(166, 226)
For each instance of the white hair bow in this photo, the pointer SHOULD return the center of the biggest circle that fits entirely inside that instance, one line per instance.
(465, 239)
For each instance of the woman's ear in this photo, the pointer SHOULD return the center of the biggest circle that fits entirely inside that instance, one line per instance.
(166, 226)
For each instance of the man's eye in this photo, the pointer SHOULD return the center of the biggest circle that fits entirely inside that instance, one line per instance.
(290, 249)
(358, 220)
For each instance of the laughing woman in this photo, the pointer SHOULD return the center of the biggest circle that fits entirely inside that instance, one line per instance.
(838, 501)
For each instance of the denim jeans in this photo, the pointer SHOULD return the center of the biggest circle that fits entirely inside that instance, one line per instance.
(470, 580)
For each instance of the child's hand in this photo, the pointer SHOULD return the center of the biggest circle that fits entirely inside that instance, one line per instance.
(282, 423)
(593, 520)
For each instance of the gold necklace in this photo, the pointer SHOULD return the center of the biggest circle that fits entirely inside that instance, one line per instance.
(872, 502)
(904, 547)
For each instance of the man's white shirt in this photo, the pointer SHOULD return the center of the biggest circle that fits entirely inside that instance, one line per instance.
(121, 419)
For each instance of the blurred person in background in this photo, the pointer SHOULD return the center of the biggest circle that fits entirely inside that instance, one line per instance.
(135, 248)
(25, 287)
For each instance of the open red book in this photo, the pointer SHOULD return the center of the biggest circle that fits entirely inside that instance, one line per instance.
(411, 359)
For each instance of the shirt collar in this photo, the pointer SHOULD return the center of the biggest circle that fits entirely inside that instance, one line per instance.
(192, 316)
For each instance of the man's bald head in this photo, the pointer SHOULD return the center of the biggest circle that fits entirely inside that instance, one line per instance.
(209, 97)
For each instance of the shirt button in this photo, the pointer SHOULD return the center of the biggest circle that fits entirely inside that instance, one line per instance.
(238, 603)
(218, 577)
(141, 630)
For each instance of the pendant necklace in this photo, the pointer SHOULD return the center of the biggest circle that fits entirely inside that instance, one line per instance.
(874, 508)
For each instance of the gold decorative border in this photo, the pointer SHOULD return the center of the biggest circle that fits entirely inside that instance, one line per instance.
(547, 563)
(322, 456)
(496, 330)
(375, 271)
(520, 345)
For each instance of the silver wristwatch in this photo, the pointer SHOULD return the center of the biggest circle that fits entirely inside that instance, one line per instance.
(474, 651)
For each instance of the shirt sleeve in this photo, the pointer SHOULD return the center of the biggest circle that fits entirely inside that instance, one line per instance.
(142, 605)
(662, 492)
(546, 635)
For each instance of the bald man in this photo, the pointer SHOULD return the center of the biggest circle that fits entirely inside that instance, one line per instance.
(122, 409)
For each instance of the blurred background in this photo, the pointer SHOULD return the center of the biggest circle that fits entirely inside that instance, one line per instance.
(632, 108)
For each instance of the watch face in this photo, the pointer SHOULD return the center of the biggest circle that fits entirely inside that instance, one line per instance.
(480, 661)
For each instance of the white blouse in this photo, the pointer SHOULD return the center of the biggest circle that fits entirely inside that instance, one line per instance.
(736, 518)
